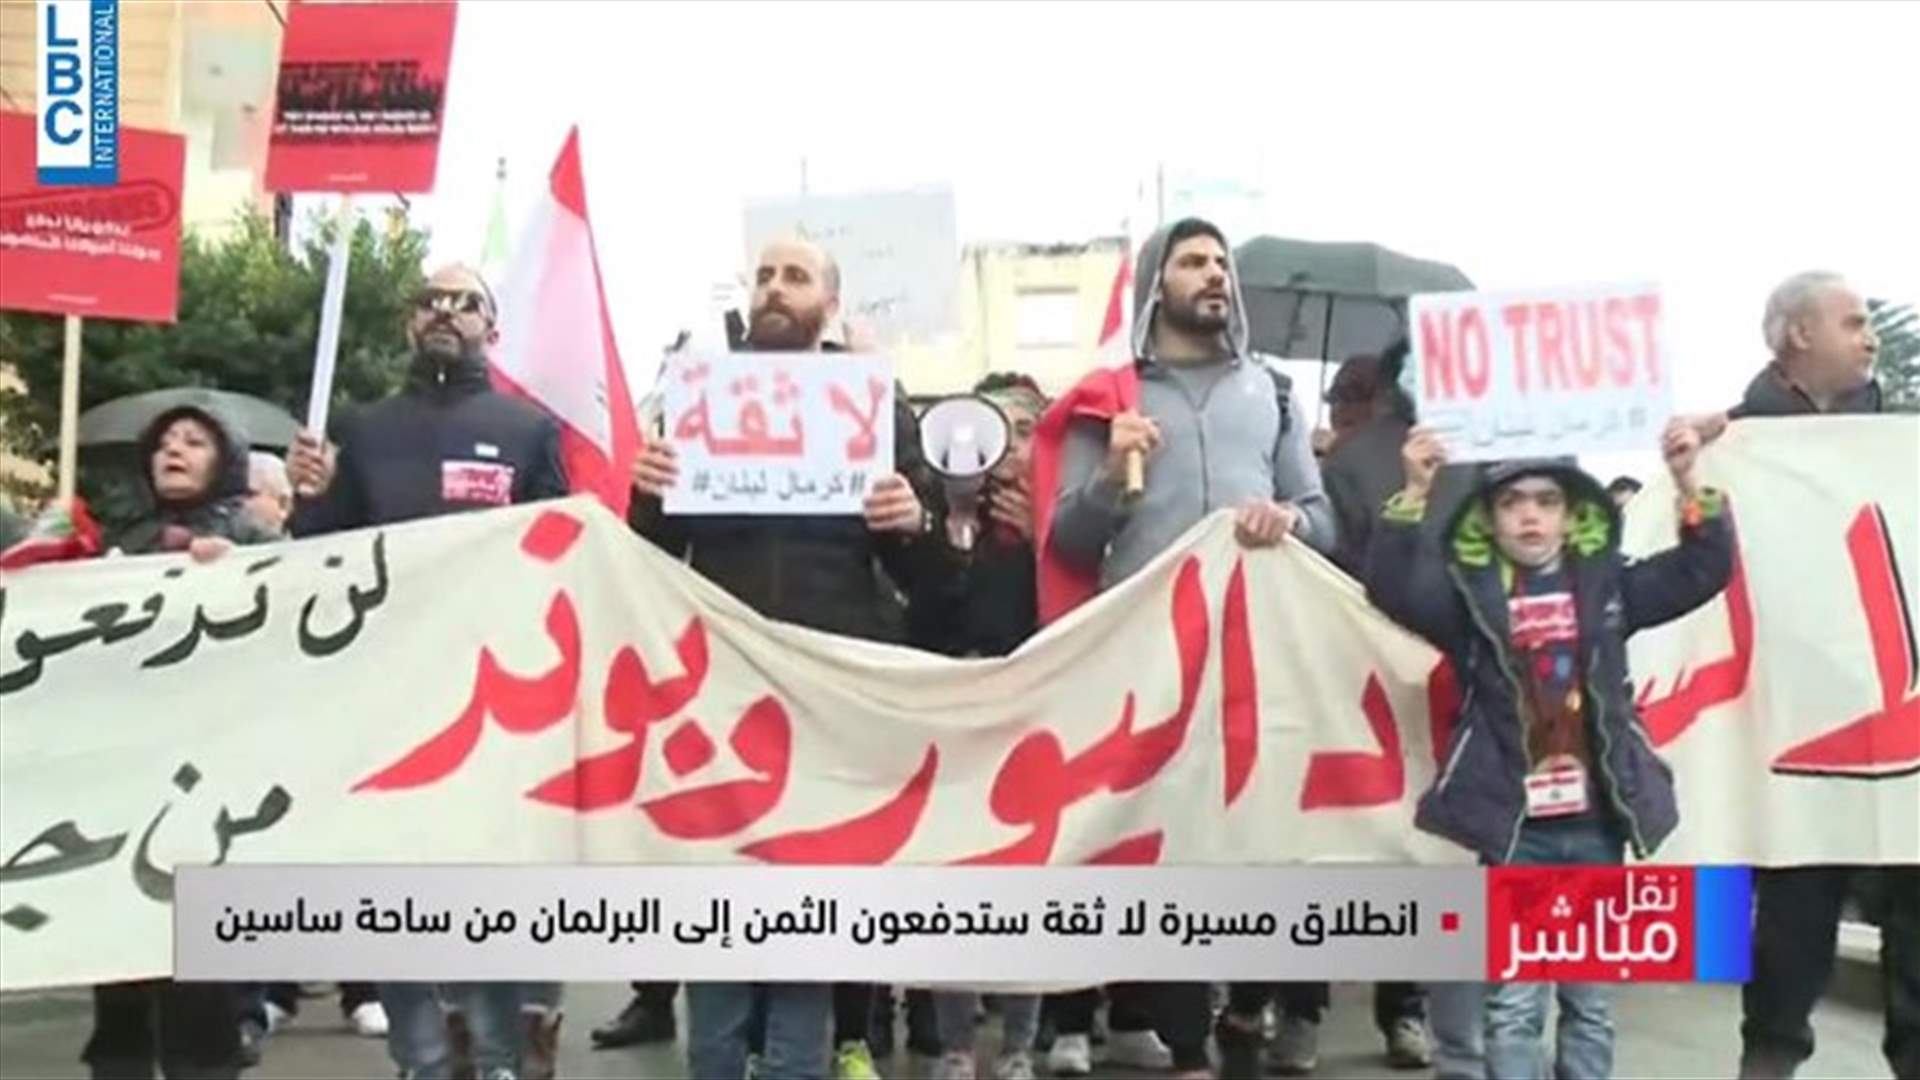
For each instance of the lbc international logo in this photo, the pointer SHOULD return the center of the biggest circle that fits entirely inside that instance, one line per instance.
(76, 52)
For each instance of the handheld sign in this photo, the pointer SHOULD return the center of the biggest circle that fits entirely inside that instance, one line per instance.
(1528, 374)
(899, 254)
(361, 97)
(777, 433)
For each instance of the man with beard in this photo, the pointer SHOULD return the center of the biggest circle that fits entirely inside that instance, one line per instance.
(446, 443)
(1215, 427)
(817, 572)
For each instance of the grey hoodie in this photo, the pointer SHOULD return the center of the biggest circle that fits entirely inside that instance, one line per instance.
(1219, 446)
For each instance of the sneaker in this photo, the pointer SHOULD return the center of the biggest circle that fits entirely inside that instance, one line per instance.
(1239, 1050)
(1296, 1048)
(1407, 1045)
(753, 1067)
(954, 1065)
(854, 1062)
(636, 1025)
(1070, 1055)
(1138, 1050)
(1017, 1065)
(368, 1019)
(252, 1034)
(277, 1018)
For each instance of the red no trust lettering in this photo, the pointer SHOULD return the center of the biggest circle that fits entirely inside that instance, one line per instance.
(865, 443)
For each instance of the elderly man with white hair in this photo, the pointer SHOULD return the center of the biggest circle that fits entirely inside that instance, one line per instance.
(269, 494)
(1823, 347)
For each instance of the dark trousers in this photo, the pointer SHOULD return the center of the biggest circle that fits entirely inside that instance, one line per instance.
(923, 1030)
(1182, 1014)
(1392, 1001)
(852, 1012)
(1796, 934)
(188, 1029)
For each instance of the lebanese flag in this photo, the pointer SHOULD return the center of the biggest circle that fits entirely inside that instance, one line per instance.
(61, 533)
(1111, 388)
(556, 346)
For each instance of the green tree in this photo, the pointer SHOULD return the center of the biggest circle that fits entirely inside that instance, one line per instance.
(1898, 364)
(249, 314)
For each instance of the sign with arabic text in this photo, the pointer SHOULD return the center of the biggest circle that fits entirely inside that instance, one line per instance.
(575, 695)
(1540, 373)
(777, 433)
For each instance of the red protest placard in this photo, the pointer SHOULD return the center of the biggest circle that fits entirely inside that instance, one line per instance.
(361, 97)
(102, 252)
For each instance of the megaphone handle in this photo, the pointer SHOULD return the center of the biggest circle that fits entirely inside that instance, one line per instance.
(1136, 474)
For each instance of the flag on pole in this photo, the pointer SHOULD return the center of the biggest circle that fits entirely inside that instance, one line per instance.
(556, 345)
(493, 250)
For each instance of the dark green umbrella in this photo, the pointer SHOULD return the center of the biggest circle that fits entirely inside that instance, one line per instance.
(1330, 301)
(121, 420)
(1309, 300)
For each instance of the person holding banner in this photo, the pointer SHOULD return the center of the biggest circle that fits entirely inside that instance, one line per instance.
(1133, 458)
(195, 477)
(1548, 762)
(816, 572)
(1823, 347)
(447, 443)
(986, 608)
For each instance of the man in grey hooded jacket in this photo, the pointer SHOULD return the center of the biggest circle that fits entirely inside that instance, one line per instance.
(1218, 428)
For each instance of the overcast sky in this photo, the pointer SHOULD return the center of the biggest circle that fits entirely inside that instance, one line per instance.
(1713, 148)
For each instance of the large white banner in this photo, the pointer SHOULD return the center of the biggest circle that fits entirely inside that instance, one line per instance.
(535, 684)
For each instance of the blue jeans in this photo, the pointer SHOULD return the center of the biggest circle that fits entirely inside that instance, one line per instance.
(417, 1026)
(1517, 1012)
(798, 1018)
(954, 1011)
(1457, 1012)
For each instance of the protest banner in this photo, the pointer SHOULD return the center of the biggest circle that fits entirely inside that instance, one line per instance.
(361, 96)
(107, 252)
(898, 252)
(1542, 372)
(777, 433)
(536, 685)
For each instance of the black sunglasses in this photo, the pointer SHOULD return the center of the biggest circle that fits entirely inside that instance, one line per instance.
(452, 301)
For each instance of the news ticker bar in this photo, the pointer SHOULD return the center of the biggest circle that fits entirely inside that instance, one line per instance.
(960, 924)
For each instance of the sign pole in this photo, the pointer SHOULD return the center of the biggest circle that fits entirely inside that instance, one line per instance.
(69, 412)
(327, 348)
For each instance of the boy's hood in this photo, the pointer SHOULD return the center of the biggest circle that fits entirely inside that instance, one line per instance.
(1594, 521)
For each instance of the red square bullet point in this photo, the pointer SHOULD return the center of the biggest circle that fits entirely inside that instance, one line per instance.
(1450, 922)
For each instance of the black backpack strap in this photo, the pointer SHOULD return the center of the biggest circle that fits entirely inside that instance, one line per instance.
(1282, 390)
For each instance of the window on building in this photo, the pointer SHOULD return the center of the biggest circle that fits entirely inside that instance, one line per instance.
(1046, 318)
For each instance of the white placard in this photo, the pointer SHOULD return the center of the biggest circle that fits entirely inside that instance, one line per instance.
(777, 433)
(1542, 372)
(898, 251)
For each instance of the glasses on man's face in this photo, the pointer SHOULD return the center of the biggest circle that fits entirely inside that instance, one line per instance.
(450, 301)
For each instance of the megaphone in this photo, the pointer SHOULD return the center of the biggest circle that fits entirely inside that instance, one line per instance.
(963, 438)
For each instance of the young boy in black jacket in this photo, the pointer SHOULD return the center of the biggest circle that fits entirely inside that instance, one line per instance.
(1549, 763)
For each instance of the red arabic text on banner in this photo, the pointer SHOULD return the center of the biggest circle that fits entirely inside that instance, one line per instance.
(97, 252)
(361, 97)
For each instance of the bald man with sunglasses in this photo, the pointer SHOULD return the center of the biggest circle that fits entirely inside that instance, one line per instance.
(445, 443)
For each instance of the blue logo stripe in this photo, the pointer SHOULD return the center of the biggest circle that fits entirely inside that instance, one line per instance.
(1722, 924)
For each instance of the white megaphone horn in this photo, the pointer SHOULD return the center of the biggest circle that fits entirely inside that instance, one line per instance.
(963, 438)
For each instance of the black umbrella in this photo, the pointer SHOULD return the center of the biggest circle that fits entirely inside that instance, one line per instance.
(121, 420)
